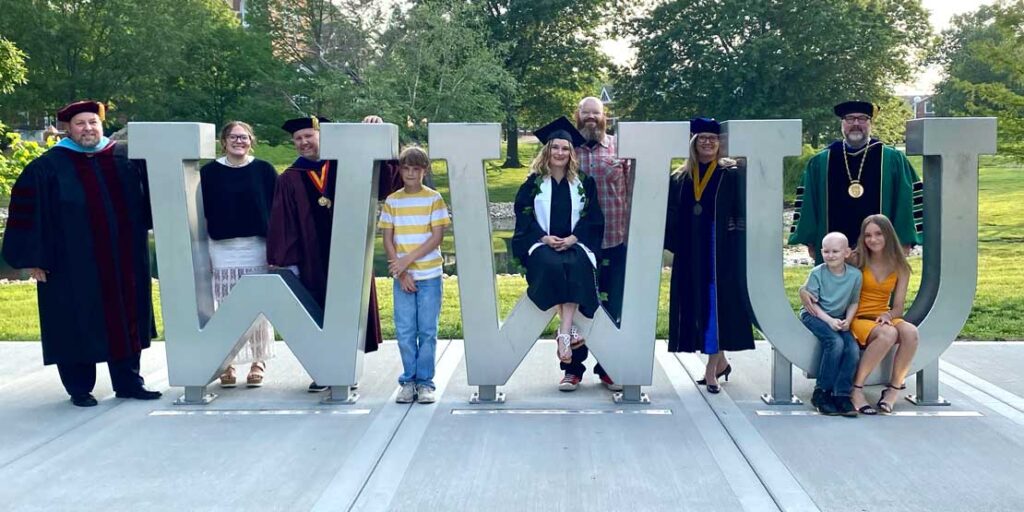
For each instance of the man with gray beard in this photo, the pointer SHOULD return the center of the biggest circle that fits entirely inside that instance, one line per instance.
(853, 178)
(598, 158)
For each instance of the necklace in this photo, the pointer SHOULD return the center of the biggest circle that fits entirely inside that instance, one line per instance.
(320, 182)
(855, 189)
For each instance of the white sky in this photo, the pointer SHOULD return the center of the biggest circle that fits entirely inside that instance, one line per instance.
(941, 12)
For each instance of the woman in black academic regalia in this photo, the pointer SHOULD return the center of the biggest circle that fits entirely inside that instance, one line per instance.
(558, 233)
(708, 303)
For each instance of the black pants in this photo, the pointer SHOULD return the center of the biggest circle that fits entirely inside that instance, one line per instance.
(80, 378)
(611, 281)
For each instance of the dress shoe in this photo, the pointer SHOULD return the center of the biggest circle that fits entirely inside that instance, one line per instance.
(139, 394)
(316, 388)
(85, 400)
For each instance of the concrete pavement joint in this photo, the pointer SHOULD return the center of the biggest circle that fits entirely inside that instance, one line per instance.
(748, 487)
(780, 483)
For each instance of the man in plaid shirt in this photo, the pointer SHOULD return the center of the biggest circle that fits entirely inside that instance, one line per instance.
(599, 158)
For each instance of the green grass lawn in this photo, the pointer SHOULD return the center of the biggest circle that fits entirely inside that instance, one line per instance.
(998, 312)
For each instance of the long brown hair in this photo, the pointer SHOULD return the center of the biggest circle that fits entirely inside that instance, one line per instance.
(892, 253)
(539, 166)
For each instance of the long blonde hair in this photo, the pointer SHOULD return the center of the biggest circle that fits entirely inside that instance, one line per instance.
(539, 166)
(892, 253)
(690, 165)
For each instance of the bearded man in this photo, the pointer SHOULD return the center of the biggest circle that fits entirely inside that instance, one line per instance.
(854, 178)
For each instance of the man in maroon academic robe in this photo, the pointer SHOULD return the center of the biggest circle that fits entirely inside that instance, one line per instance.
(299, 236)
(79, 223)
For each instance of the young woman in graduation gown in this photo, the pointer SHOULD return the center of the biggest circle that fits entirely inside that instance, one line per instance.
(558, 232)
(708, 304)
(238, 191)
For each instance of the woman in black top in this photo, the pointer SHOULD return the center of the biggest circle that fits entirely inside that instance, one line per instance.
(558, 233)
(237, 193)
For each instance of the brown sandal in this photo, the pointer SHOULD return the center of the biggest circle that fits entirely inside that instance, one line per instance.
(255, 377)
(227, 379)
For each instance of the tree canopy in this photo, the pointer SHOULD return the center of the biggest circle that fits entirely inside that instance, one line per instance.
(982, 54)
(764, 59)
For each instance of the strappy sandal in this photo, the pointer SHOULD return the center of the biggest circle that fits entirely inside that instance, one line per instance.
(564, 342)
(865, 409)
(576, 337)
(886, 407)
(255, 377)
(227, 379)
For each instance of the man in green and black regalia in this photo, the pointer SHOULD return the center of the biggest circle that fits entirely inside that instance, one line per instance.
(853, 178)
(79, 224)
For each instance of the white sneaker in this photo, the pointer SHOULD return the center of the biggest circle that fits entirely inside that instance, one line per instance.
(426, 394)
(407, 394)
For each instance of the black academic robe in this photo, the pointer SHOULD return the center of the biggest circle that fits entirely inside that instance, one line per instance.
(85, 218)
(709, 308)
(300, 234)
(559, 277)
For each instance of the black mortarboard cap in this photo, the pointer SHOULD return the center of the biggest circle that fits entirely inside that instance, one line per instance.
(72, 109)
(856, 107)
(301, 123)
(704, 125)
(560, 128)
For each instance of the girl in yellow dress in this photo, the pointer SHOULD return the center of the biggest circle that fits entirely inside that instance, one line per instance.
(879, 325)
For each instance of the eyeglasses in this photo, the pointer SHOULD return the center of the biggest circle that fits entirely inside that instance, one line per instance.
(238, 138)
(705, 139)
(857, 119)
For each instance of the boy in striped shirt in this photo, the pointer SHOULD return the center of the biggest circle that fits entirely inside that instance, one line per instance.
(413, 221)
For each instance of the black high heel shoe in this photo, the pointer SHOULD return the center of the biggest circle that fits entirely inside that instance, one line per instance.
(724, 373)
(883, 406)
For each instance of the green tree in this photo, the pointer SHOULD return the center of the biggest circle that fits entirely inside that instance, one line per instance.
(121, 51)
(550, 51)
(890, 126)
(12, 66)
(982, 55)
(763, 59)
(436, 67)
(328, 46)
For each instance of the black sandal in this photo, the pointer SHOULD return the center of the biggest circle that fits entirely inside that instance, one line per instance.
(865, 409)
(884, 406)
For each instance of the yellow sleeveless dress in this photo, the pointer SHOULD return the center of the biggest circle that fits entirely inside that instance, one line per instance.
(874, 300)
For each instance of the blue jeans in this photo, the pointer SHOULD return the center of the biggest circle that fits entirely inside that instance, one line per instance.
(416, 317)
(839, 356)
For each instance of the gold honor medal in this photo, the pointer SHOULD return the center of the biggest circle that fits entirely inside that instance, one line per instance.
(320, 182)
(855, 189)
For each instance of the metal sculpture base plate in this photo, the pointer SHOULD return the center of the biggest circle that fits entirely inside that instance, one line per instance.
(914, 399)
(340, 395)
(475, 399)
(195, 395)
(631, 395)
(620, 399)
(771, 400)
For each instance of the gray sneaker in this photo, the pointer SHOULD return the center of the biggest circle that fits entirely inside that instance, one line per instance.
(426, 394)
(407, 394)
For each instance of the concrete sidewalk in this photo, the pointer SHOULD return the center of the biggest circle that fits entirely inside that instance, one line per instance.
(278, 448)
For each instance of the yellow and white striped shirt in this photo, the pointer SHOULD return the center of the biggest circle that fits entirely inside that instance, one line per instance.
(413, 216)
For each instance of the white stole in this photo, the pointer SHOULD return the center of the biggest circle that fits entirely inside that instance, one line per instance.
(542, 211)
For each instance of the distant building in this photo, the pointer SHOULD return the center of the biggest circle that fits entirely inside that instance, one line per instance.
(920, 104)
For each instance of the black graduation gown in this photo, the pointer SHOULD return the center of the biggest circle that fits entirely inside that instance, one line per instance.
(709, 309)
(555, 277)
(300, 234)
(85, 218)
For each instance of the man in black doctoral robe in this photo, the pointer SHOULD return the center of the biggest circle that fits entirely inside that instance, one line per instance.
(302, 216)
(79, 222)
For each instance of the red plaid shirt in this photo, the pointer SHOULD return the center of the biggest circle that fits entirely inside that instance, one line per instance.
(614, 187)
